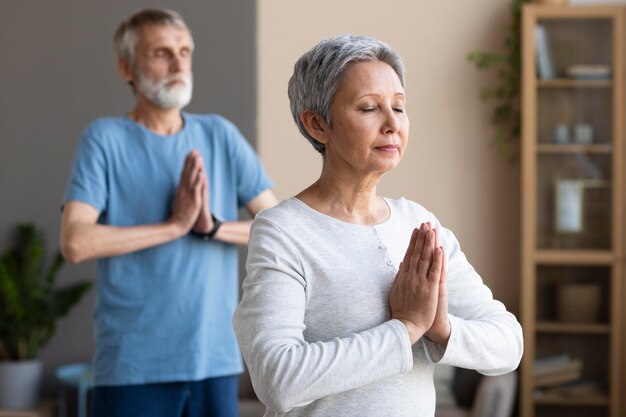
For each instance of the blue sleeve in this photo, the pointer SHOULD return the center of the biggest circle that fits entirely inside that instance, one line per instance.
(87, 182)
(252, 179)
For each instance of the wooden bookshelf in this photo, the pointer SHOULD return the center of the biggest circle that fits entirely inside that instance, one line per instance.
(579, 243)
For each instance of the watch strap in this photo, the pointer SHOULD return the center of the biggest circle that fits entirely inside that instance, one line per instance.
(211, 233)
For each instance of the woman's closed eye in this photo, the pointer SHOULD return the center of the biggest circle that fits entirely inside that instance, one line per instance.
(370, 109)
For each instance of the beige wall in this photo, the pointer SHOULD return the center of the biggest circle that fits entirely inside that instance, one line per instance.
(450, 166)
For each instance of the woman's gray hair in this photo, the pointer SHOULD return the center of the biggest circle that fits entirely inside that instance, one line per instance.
(126, 35)
(317, 74)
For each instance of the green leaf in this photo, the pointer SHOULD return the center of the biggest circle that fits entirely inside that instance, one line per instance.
(506, 116)
(29, 304)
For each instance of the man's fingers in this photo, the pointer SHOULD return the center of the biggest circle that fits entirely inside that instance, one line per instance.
(197, 170)
(187, 166)
(193, 163)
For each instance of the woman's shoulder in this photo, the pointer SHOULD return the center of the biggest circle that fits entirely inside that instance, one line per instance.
(286, 211)
(405, 207)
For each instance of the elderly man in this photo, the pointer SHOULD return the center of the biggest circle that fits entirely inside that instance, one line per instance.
(153, 195)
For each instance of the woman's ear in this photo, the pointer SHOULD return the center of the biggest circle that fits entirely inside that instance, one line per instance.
(315, 125)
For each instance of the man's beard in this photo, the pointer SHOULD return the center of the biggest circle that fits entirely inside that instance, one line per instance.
(163, 95)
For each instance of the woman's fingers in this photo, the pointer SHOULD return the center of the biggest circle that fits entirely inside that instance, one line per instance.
(429, 242)
(426, 258)
(436, 267)
(419, 247)
(406, 262)
(421, 253)
(444, 266)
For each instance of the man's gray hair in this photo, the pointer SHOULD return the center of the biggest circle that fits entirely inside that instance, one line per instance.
(317, 74)
(126, 35)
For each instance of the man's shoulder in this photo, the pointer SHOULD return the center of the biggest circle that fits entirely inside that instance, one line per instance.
(103, 127)
(218, 129)
(108, 122)
(210, 120)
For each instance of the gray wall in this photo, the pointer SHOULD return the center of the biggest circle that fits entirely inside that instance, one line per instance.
(57, 73)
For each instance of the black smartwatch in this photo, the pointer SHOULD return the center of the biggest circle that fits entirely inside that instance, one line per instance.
(211, 233)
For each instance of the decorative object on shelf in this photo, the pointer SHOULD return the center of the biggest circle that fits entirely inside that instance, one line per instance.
(589, 72)
(545, 64)
(568, 212)
(30, 307)
(583, 133)
(580, 211)
(578, 302)
(561, 133)
(505, 93)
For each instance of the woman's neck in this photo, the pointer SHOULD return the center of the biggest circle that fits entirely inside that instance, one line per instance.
(349, 198)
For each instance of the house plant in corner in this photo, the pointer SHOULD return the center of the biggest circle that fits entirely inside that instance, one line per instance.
(29, 308)
(504, 93)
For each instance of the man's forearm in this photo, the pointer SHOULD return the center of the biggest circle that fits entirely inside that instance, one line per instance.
(83, 241)
(237, 233)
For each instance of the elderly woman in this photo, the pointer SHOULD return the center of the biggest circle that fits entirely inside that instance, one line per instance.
(352, 297)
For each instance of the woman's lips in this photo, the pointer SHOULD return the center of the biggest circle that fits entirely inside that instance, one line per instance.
(388, 148)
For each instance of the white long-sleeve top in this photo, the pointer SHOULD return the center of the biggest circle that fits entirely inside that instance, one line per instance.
(314, 322)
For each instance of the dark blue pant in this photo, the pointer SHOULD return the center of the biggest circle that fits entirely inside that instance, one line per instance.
(212, 397)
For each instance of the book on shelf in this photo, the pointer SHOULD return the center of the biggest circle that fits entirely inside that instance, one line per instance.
(545, 65)
(556, 369)
(589, 72)
(552, 362)
(557, 378)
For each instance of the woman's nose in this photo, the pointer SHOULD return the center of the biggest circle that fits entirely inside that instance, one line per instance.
(392, 124)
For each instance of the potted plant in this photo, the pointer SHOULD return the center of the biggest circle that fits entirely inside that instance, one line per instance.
(29, 308)
(505, 92)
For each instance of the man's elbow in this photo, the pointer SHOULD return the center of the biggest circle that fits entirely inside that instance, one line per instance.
(70, 249)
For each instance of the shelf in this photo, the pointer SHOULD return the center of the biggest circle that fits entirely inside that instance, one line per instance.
(573, 230)
(571, 83)
(573, 328)
(552, 148)
(574, 257)
(591, 400)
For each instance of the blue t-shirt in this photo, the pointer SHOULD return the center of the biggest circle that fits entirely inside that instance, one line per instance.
(164, 313)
